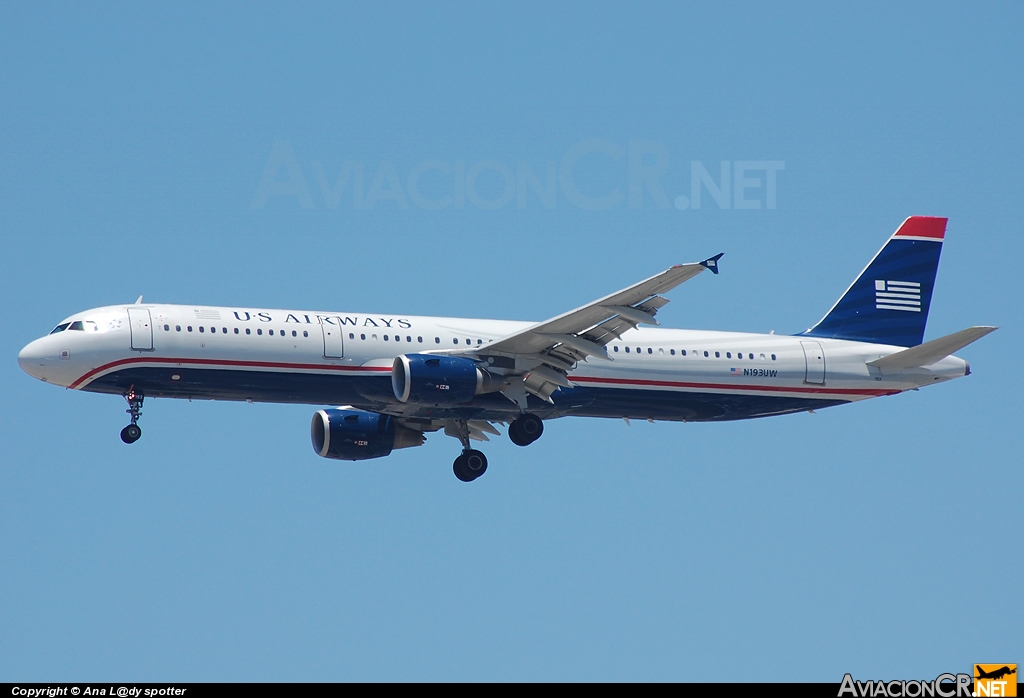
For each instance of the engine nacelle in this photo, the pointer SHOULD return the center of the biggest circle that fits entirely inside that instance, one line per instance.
(440, 380)
(357, 435)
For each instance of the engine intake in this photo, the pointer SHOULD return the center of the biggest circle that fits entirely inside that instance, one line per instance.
(344, 434)
(440, 380)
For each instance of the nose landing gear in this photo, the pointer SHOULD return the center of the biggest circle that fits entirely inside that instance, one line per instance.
(131, 433)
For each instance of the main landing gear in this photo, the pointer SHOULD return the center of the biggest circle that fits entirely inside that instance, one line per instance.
(526, 429)
(131, 433)
(472, 463)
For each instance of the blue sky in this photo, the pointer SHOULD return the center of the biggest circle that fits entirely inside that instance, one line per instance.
(135, 142)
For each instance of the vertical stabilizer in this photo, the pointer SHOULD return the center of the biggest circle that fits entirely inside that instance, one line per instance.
(888, 303)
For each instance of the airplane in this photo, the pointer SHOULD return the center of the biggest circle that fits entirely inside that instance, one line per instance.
(996, 674)
(396, 378)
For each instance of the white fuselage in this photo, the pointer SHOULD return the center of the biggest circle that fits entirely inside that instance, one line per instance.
(317, 357)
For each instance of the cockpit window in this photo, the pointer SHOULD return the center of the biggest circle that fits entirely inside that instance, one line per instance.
(76, 325)
(60, 328)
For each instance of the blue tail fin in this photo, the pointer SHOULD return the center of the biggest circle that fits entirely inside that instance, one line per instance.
(888, 303)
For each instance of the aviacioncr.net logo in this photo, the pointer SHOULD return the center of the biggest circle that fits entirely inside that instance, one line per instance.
(943, 686)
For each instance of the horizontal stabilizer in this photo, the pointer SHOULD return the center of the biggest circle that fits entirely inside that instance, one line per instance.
(930, 352)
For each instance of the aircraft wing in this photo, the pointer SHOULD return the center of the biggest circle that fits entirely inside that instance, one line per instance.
(542, 355)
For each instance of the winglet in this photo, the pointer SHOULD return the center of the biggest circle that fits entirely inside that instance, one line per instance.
(712, 262)
(139, 300)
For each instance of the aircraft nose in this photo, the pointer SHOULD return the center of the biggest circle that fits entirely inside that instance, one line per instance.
(32, 359)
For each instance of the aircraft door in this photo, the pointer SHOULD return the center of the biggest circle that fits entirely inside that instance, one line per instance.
(141, 328)
(334, 346)
(814, 357)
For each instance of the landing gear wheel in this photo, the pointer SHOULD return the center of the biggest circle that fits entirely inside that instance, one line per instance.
(470, 465)
(476, 462)
(515, 434)
(526, 429)
(459, 467)
(131, 433)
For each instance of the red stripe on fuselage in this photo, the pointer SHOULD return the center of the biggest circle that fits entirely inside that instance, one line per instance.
(224, 362)
(576, 379)
(716, 386)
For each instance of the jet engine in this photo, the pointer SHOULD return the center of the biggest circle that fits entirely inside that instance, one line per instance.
(347, 434)
(442, 381)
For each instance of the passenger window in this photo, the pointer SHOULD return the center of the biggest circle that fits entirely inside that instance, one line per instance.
(728, 355)
(762, 357)
(718, 355)
(294, 333)
(270, 332)
(201, 329)
(248, 331)
(259, 332)
(189, 328)
(455, 341)
(627, 350)
(236, 330)
(649, 350)
(373, 337)
(638, 350)
(615, 348)
(177, 328)
(167, 328)
(672, 352)
(409, 339)
(351, 335)
(362, 336)
(418, 339)
(773, 357)
(468, 342)
(224, 330)
(705, 355)
(683, 352)
(385, 338)
(437, 340)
